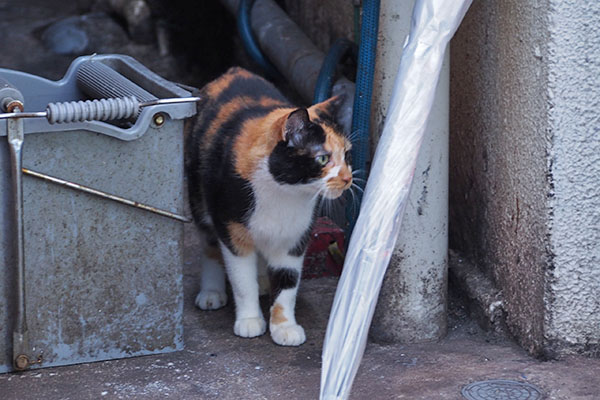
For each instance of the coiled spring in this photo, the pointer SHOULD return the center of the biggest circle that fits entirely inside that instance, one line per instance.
(93, 110)
(96, 110)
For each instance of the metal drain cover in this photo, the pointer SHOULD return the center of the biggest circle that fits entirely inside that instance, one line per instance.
(501, 390)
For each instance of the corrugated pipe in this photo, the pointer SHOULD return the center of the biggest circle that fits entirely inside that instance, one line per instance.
(361, 117)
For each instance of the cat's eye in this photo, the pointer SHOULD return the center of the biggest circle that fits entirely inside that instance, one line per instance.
(322, 160)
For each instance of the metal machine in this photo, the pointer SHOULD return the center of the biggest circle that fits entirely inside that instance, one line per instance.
(91, 211)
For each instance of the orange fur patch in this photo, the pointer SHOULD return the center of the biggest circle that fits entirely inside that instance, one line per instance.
(258, 138)
(323, 107)
(277, 316)
(334, 142)
(228, 109)
(240, 238)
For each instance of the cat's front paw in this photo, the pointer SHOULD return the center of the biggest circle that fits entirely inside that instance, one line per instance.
(288, 335)
(211, 299)
(250, 327)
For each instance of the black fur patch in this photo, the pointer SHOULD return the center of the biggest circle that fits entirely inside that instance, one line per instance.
(281, 279)
(288, 165)
(293, 161)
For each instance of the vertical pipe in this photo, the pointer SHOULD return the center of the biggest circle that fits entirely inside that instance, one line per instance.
(412, 303)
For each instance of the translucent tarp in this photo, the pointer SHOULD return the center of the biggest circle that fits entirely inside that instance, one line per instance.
(433, 25)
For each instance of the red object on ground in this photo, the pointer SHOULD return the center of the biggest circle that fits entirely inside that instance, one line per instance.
(325, 252)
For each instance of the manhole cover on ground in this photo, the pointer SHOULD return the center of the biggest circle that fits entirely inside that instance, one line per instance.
(501, 390)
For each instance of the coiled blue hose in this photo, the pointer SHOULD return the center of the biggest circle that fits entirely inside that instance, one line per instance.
(249, 40)
(361, 114)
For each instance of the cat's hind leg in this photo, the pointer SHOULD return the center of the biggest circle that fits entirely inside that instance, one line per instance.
(284, 274)
(212, 295)
(242, 273)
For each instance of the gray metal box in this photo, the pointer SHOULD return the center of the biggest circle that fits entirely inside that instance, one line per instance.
(103, 280)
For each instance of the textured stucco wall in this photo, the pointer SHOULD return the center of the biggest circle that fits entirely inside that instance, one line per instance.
(573, 289)
(525, 157)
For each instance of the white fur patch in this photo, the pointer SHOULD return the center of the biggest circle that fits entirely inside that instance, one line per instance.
(333, 172)
(282, 213)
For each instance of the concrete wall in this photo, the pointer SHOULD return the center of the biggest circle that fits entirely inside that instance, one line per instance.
(524, 198)
(573, 282)
(498, 146)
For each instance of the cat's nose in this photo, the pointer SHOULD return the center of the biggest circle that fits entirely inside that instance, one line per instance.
(347, 178)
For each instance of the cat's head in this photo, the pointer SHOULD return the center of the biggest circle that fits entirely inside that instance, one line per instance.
(313, 151)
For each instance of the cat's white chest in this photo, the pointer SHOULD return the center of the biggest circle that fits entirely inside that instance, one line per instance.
(281, 215)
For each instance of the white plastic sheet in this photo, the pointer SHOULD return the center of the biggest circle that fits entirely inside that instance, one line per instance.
(433, 25)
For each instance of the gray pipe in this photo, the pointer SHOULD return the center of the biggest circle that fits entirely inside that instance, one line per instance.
(294, 55)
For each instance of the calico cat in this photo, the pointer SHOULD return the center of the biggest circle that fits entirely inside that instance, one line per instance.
(257, 166)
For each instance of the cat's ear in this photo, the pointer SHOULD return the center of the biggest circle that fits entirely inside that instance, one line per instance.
(295, 127)
(329, 107)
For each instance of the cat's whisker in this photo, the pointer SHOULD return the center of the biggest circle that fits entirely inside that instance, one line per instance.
(355, 186)
(353, 135)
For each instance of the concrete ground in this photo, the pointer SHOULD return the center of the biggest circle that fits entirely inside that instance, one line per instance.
(218, 365)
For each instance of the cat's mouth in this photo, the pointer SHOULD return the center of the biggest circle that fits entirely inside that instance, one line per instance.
(336, 190)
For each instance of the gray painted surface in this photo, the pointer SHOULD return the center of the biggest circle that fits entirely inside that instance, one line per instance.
(573, 288)
(103, 280)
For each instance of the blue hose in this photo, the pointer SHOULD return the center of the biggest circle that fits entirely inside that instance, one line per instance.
(249, 40)
(338, 50)
(362, 102)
